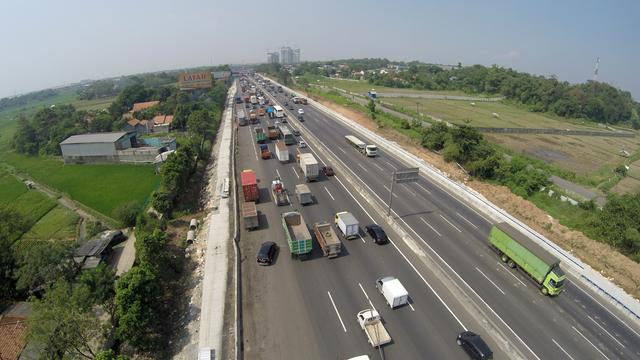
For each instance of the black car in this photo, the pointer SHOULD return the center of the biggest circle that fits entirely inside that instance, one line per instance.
(267, 252)
(377, 234)
(474, 346)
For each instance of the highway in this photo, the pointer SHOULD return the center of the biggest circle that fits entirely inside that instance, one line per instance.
(454, 279)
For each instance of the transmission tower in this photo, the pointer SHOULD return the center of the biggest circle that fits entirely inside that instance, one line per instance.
(595, 70)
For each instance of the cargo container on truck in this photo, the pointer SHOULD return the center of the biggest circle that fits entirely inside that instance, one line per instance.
(265, 154)
(286, 135)
(347, 224)
(309, 166)
(250, 215)
(260, 136)
(282, 152)
(303, 101)
(369, 150)
(327, 239)
(297, 234)
(272, 132)
(394, 293)
(304, 194)
(371, 322)
(249, 185)
(242, 118)
(261, 112)
(254, 99)
(517, 250)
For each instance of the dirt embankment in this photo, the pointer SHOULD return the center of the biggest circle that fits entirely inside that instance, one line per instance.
(603, 258)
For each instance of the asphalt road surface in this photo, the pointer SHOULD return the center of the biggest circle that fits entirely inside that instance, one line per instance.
(307, 309)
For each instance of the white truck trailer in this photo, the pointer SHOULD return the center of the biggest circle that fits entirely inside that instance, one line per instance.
(371, 322)
(347, 224)
(394, 293)
(282, 152)
(309, 166)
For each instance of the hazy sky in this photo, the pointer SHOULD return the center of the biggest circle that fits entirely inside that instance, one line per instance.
(50, 43)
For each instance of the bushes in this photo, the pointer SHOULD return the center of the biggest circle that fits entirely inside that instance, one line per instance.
(126, 213)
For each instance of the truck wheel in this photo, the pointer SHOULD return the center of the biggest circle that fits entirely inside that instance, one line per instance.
(504, 258)
(511, 264)
(544, 291)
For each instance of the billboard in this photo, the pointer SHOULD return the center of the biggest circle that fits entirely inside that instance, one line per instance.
(194, 80)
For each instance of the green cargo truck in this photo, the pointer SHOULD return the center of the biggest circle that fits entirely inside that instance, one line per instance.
(297, 234)
(516, 249)
(261, 137)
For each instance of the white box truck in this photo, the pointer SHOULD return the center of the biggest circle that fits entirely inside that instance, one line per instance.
(347, 224)
(282, 152)
(394, 293)
(309, 166)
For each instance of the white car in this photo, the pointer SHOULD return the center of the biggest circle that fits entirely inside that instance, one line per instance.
(300, 111)
(302, 144)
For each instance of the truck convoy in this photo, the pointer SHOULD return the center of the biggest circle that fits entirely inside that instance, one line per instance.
(327, 239)
(250, 215)
(369, 150)
(279, 193)
(304, 194)
(282, 152)
(394, 293)
(260, 136)
(249, 185)
(517, 250)
(297, 234)
(371, 322)
(348, 225)
(309, 166)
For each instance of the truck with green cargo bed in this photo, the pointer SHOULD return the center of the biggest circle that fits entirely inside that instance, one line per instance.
(261, 137)
(517, 250)
(297, 234)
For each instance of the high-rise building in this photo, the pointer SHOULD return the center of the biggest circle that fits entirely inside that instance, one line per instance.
(289, 56)
(273, 58)
(296, 56)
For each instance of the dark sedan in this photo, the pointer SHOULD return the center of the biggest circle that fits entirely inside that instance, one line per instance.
(377, 234)
(267, 252)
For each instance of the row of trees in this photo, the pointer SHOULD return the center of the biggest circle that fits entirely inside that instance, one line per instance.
(592, 100)
(25, 99)
(281, 74)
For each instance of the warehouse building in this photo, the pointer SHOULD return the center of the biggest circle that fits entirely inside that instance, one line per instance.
(111, 147)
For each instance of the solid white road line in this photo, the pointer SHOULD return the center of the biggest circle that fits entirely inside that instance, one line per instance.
(411, 306)
(354, 199)
(367, 296)
(608, 333)
(423, 188)
(278, 172)
(327, 190)
(494, 284)
(589, 341)
(337, 313)
(465, 219)
(563, 350)
(612, 314)
(445, 219)
(429, 225)
(511, 273)
(429, 285)
(295, 172)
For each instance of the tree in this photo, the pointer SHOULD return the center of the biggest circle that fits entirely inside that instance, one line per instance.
(63, 325)
(137, 293)
(198, 123)
(11, 227)
(25, 140)
(41, 263)
(109, 355)
(100, 281)
(161, 201)
(150, 249)
(127, 212)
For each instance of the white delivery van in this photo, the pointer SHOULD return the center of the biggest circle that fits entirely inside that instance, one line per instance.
(394, 293)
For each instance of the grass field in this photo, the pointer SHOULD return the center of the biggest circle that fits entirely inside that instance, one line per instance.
(10, 188)
(480, 115)
(362, 87)
(32, 206)
(100, 187)
(58, 224)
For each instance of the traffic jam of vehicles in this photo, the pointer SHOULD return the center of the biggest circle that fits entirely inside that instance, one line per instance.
(514, 249)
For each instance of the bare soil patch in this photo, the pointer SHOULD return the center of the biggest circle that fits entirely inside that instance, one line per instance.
(610, 263)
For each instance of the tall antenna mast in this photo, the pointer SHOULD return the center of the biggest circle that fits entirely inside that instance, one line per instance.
(595, 71)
